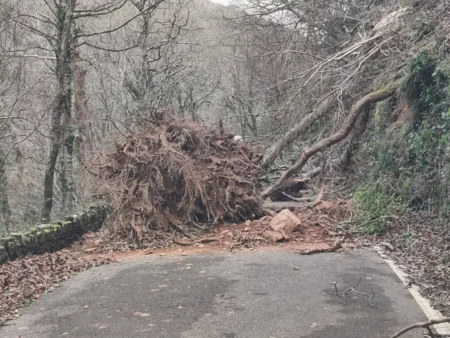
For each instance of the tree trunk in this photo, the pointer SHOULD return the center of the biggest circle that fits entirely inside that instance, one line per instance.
(355, 111)
(296, 131)
(63, 101)
(82, 113)
(4, 198)
(355, 138)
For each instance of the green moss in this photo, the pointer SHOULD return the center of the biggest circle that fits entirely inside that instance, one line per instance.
(409, 165)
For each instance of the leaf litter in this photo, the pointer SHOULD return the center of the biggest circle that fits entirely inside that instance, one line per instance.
(23, 281)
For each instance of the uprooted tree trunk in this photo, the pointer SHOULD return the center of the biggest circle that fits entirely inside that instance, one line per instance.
(296, 131)
(355, 111)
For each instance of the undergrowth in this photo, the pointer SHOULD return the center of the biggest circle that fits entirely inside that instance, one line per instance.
(407, 146)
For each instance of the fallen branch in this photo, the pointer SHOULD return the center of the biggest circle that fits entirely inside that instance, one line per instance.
(355, 111)
(203, 240)
(300, 199)
(352, 290)
(425, 325)
(333, 248)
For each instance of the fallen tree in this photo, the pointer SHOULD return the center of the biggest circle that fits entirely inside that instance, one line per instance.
(173, 173)
(355, 111)
(296, 131)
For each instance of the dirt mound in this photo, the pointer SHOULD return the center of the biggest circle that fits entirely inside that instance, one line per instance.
(173, 173)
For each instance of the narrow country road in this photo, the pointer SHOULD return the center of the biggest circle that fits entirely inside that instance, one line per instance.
(254, 294)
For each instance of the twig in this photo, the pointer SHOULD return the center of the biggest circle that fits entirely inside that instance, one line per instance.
(422, 325)
(352, 290)
(300, 199)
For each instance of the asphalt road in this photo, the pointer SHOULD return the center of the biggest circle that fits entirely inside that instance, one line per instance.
(255, 294)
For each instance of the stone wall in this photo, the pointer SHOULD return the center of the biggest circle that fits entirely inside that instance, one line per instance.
(51, 237)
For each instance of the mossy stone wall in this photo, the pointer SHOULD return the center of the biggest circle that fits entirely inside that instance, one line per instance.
(51, 237)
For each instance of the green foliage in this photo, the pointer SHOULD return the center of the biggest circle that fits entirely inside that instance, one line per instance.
(413, 160)
(375, 203)
(426, 87)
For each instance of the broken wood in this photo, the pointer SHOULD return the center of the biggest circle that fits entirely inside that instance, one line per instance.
(333, 248)
(312, 198)
(355, 111)
(291, 189)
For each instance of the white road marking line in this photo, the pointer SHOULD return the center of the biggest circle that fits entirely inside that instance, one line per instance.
(442, 329)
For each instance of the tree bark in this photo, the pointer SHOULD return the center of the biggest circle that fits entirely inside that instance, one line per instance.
(355, 138)
(63, 101)
(4, 198)
(296, 131)
(355, 111)
(82, 112)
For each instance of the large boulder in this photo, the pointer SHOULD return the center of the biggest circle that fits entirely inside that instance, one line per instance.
(285, 223)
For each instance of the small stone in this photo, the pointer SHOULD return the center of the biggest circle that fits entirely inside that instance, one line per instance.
(273, 236)
(86, 307)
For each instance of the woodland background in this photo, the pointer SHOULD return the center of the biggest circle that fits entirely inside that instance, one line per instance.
(283, 74)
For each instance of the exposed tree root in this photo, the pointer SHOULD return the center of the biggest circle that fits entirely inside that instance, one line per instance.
(175, 173)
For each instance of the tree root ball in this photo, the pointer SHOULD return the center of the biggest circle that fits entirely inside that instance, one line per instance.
(173, 172)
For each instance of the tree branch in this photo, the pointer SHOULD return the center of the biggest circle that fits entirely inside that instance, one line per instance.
(357, 108)
(422, 325)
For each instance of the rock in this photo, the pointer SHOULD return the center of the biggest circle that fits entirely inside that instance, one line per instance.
(247, 229)
(285, 223)
(273, 236)
(248, 223)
